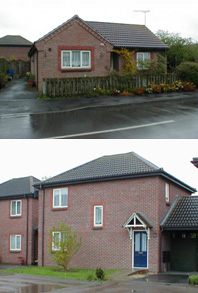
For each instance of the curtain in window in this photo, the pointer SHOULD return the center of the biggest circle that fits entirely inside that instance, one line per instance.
(56, 240)
(147, 56)
(85, 59)
(66, 59)
(75, 58)
(18, 242)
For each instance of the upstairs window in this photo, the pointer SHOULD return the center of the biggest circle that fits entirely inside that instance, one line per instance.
(15, 242)
(142, 58)
(75, 59)
(16, 208)
(98, 216)
(60, 198)
(167, 196)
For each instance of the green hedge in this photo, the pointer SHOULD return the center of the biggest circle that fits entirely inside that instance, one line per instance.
(3, 65)
(188, 71)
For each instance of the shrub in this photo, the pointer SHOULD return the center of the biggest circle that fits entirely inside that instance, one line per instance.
(100, 274)
(188, 86)
(188, 71)
(91, 277)
(193, 280)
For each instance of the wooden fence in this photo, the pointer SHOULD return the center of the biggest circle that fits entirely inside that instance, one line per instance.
(19, 68)
(68, 87)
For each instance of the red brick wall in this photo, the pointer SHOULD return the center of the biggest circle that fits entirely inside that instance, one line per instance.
(111, 246)
(75, 34)
(17, 225)
(18, 52)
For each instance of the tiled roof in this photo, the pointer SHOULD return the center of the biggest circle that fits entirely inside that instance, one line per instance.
(107, 166)
(182, 214)
(14, 41)
(121, 35)
(195, 162)
(18, 186)
(127, 35)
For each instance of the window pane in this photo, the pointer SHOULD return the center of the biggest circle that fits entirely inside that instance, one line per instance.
(66, 59)
(98, 215)
(144, 239)
(85, 59)
(137, 242)
(12, 242)
(56, 198)
(140, 57)
(56, 240)
(147, 56)
(13, 208)
(75, 58)
(18, 242)
(18, 207)
(64, 197)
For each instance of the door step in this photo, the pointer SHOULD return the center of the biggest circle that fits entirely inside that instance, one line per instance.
(138, 271)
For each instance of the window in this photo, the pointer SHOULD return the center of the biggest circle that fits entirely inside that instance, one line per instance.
(15, 242)
(60, 198)
(141, 58)
(16, 207)
(57, 238)
(98, 216)
(167, 192)
(75, 59)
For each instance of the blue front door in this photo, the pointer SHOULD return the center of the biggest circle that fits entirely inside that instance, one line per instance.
(140, 249)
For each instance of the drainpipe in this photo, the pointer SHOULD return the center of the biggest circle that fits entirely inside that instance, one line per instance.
(43, 225)
(27, 228)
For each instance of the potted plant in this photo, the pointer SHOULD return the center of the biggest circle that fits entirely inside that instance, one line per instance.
(31, 79)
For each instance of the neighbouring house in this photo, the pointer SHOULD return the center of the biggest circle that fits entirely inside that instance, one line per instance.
(79, 48)
(15, 47)
(19, 221)
(195, 162)
(125, 209)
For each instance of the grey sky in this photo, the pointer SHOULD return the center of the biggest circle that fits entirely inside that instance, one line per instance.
(32, 20)
(40, 158)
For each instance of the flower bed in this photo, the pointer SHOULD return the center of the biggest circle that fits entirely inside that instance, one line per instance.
(177, 86)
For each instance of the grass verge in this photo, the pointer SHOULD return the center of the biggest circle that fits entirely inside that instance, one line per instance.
(54, 272)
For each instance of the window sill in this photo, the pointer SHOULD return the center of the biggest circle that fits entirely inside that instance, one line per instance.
(59, 209)
(97, 228)
(75, 70)
(15, 251)
(15, 217)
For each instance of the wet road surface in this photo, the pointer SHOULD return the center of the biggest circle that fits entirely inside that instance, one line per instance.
(23, 116)
(153, 283)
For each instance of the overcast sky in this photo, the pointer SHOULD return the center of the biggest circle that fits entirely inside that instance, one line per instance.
(40, 158)
(34, 19)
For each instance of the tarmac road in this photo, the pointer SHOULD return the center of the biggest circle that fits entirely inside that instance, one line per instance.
(173, 115)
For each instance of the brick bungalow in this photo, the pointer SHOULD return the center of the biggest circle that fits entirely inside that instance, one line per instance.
(19, 220)
(80, 48)
(120, 205)
(15, 46)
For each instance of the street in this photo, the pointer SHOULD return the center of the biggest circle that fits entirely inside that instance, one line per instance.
(22, 116)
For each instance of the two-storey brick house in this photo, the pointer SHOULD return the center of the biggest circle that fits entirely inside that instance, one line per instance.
(19, 220)
(116, 203)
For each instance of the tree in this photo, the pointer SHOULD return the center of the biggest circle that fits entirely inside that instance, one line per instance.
(178, 48)
(64, 244)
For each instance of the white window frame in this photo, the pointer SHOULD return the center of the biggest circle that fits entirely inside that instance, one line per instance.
(56, 248)
(81, 65)
(100, 224)
(16, 214)
(167, 193)
(139, 66)
(15, 242)
(60, 206)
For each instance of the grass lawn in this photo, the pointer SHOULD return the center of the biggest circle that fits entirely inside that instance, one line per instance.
(54, 272)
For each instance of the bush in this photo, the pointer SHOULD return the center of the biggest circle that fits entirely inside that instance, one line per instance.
(188, 71)
(91, 277)
(100, 274)
(193, 280)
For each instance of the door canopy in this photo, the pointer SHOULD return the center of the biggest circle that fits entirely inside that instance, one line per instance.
(138, 220)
